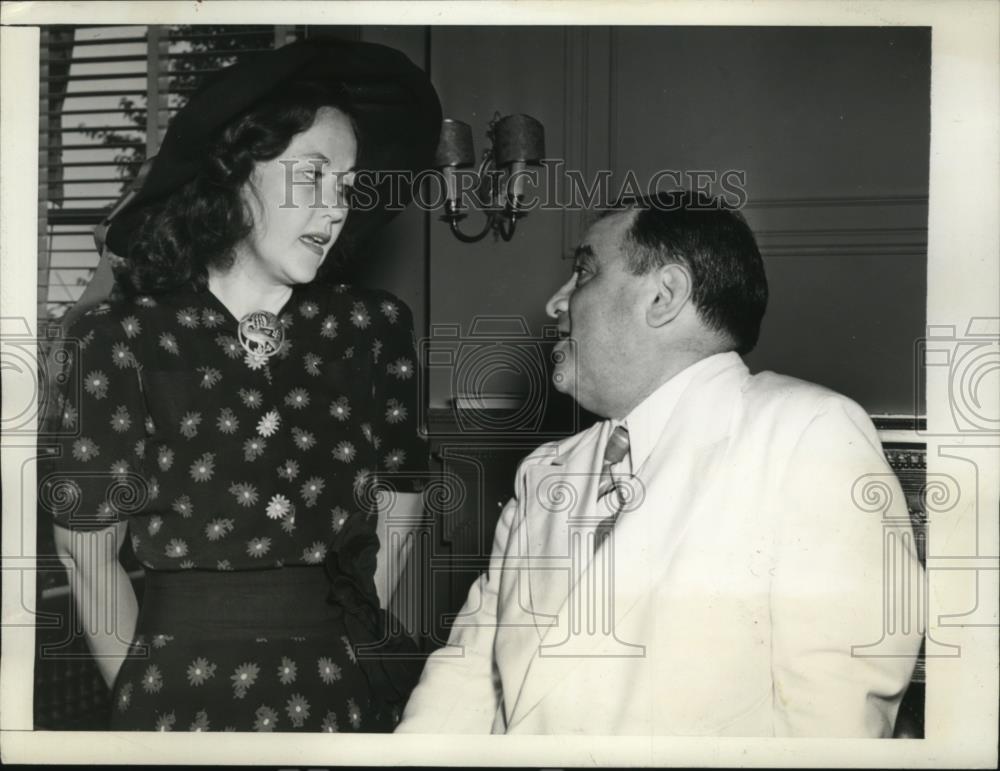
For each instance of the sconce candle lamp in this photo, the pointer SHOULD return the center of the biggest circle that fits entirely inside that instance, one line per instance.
(516, 142)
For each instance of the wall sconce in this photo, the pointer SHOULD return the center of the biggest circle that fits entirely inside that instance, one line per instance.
(516, 141)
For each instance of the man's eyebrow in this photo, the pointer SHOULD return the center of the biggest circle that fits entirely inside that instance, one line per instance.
(581, 252)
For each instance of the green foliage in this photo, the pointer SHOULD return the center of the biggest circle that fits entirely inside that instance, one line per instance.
(194, 52)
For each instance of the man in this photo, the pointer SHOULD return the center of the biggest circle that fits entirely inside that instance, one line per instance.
(698, 563)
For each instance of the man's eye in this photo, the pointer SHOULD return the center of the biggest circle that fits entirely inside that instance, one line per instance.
(581, 272)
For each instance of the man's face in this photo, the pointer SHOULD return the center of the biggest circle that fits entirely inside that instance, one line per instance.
(601, 312)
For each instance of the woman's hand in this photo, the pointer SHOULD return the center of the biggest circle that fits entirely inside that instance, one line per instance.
(102, 592)
(396, 543)
(366, 569)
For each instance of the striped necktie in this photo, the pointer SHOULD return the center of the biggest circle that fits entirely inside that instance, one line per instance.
(615, 452)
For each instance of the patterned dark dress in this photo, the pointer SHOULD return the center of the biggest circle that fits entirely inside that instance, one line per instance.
(248, 487)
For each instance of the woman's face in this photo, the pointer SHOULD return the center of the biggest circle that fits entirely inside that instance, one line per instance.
(298, 203)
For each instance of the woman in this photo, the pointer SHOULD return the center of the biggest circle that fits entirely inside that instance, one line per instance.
(236, 408)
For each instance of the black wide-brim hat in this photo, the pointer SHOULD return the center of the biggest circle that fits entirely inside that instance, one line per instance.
(395, 108)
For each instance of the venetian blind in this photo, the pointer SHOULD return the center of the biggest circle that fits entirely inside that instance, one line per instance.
(107, 95)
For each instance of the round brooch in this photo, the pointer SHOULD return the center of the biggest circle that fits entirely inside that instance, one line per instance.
(261, 334)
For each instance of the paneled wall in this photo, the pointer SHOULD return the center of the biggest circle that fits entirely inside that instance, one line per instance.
(829, 125)
(397, 258)
(479, 71)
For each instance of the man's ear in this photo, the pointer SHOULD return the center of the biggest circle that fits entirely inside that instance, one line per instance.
(673, 292)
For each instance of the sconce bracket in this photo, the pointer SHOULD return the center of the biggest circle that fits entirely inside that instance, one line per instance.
(520, 141)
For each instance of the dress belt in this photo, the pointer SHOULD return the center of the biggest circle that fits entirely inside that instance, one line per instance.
(288, 601)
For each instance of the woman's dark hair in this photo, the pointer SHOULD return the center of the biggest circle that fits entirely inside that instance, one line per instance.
(199, 224)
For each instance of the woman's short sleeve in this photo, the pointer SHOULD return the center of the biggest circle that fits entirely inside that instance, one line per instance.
(403, 447)
(89, 474)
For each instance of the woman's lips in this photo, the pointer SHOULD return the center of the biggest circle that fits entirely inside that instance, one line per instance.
(312, 246)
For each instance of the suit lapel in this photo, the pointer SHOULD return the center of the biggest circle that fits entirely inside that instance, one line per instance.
(560, 495)
(645, 538)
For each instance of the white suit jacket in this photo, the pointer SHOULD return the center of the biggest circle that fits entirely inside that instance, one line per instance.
(745, 589)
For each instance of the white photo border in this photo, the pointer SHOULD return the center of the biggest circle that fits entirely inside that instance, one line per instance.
(963, 284)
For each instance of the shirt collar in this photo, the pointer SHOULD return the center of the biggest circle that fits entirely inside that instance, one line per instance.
(645, 423)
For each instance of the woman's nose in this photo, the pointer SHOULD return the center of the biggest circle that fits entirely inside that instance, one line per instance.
(336, 212)
(337, 197)
(559, 302)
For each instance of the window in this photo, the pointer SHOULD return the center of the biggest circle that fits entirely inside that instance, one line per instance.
(107, 95)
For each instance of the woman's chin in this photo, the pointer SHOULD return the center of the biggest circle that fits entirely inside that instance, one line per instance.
(302, 276)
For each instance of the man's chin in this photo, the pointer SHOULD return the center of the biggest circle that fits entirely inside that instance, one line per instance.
(562, 383)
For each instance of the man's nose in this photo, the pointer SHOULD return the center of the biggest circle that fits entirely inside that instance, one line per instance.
(559, 302)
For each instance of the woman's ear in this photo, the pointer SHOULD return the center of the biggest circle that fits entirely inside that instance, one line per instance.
(254, 210)
(673, 291)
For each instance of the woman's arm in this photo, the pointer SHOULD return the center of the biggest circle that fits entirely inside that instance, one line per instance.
(102, 592)
(397, 530)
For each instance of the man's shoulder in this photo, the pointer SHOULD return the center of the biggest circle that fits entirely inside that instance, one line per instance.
(788, 403)
(786, 392)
